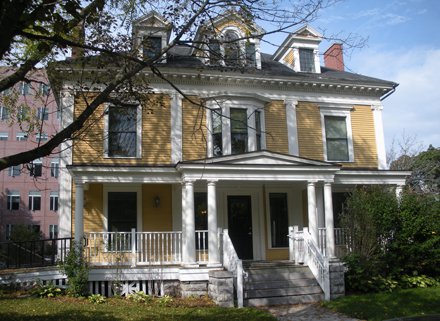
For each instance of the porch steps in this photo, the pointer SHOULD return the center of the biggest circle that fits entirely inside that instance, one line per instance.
(279, 282)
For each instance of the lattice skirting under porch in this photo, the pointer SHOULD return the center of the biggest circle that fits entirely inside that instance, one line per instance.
(124, 288)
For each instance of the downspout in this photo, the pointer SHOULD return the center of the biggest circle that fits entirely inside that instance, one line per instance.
(390, 92)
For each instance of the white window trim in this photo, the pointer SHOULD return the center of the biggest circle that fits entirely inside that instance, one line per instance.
(52, 230)
(57, 168)
(341, 111)
(11, 171)
(34, 194)
(21, 137)
(138, 133)
(245, 103)
(9, 200)
(41, 137)
(53, 195)
(4, 135)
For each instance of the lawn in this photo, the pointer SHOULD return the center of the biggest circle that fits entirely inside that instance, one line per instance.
(70, 309)
(382, 306)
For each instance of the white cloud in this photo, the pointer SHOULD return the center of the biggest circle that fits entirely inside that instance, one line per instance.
(394, 19)
(415, 106)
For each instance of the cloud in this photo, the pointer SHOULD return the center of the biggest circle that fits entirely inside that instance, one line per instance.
(394, 19)
(414, 107)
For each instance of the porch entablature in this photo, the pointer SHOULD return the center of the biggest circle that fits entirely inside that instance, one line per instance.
(367, 177)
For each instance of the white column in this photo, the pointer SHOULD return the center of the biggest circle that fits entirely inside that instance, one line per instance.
(311, 202)
(292, 130)
(329, 220)
(176, 128)
(79, 212)
(320, 211)
(214, 255)
(380, 140)
(188, 224)
(399, 190)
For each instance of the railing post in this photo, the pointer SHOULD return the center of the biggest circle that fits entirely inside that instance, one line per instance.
(240, 283)
(326, 280)
(133, 247)
(292, 242)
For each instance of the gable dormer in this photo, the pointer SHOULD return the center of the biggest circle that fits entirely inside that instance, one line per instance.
(151, 34)
(230, 41)
(300, 50)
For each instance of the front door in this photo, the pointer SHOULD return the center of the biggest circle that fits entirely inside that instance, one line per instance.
(122, 211)
(240, 225)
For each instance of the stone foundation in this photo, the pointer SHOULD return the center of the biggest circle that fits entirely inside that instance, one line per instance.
(337, 282)
(193, 288)
(221, 288)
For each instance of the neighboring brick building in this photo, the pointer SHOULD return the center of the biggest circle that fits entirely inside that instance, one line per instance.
(29, 192)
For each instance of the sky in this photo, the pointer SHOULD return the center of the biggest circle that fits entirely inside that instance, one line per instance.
(403, 45)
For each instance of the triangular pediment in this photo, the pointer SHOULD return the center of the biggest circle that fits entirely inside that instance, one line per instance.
(261, 158)
(152, 20)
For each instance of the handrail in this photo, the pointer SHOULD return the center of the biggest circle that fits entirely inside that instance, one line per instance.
(232, 263)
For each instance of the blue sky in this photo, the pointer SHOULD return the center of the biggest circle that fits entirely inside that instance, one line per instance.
(403, 46)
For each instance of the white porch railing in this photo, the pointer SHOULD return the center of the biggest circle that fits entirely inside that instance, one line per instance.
(141, 248)
(342, 241)
(233, 264)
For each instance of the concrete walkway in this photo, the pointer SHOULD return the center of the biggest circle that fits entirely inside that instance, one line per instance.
(306, 312)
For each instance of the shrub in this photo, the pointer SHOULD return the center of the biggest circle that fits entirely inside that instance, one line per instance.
(46, 290)
(77, 271)
(165, 300)
(139, 297)
(97, 299)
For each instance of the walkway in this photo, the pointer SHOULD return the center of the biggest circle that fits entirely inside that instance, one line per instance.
(306, 312)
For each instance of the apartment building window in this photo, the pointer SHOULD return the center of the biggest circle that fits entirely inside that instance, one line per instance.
(279, 220)
(23, 112)
(55, 168)
(53, 201)
(21, 137)
(44, 89)
(4, 113)
(36, 168)
(306, 60)
(151, 47)
(34, 201)
(13, 202)
(217, 141)
(239, 131)
(4, 136)
(53, 231)
(41, 137)
(24, 88)
(9, 230)
(124, 131)
(43, 113)
(15, 170)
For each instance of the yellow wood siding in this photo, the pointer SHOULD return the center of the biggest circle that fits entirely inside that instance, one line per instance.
(310, 142)
(364, 138)
(93, 208)
(289, 58)
(156, 134)
(156, 218)
(193, 130)
(276, 127)
(277, 254)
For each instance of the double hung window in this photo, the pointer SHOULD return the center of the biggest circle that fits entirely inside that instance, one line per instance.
(15, 170)
(217, 123)
(336, 138)
(123, 131)
(53, 201)
(151, 47)
(36, 168)
(306, 60)
(34, 201)
(239, 131)
(13, 201)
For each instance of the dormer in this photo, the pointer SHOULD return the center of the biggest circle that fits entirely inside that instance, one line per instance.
(300, 50)
(151, 33)
(229, 41)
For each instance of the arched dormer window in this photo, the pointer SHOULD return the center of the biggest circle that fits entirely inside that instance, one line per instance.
(232, 48)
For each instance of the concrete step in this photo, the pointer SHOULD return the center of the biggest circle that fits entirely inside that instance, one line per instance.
(294, 299)
(277, 275)
(271, 284)
(267, 293)
(268, 264)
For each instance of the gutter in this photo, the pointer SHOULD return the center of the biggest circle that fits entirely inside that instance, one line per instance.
(390, 92)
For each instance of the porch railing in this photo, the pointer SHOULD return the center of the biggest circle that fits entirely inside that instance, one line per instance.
(37, 253)
(141, 248)
(342, 241)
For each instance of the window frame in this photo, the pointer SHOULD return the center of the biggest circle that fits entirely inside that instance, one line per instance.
(138, 131)
(55, 168)
(10, 200)
(39, 163)
(4, 136)
(302, 62)
(41, 137)
(4, 113)
(53, 201)
(335, 111)
(21, 137)
(43, 113)
(53, 231)
(14, 171)
(31, 199)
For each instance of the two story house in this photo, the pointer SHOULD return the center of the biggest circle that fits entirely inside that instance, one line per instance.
(227, 149)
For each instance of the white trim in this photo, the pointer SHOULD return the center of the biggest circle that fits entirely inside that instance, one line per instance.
(176, 128)
(292, 130)
(137, 188)
(340, 111)
(371, 177)
(379, 133)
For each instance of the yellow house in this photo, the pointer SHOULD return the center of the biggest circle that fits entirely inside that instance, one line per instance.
(213, 175)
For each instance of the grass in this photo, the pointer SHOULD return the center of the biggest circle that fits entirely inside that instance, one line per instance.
(382, 306)
(64, 308)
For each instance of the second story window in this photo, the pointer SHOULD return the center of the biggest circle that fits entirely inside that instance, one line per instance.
(36, 168)
(53, 231)
(336, 138)
(44, 89)
(41, 137)
(13, 201)
(306, 60)
(123, 131)
(24, 88)
(34, 201)
(4, 113)
(4, 136)
(21, 137)
(151, 47)
(43, 113)
(53, 206)
(239, 131)
(15, 170)
(217, 141)
(55, 168)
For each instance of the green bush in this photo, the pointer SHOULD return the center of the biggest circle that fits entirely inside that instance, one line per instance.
(140, 297)
(77, 270)
(46, 290)
(97, 299)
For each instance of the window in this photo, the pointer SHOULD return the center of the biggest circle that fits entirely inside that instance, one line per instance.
(239, 131)
(9, 229)
(336, 138)
(215, 54)
(44, 89)
(151, 47)
(15, 170)
(4, 136)
(278, 219)
(41, 137)
(22, 112)
(24, 88)
(13, 201)
(307, 60)
(53, 201)
(53, 231)
(4, 113)
(217, 141)
(6, 92)
(258, 128)
(21, 137)
(250, 54)
(123, 131)
(231, 48)
(43, 113)
(55, 168)
(36, 168)
(34, 201)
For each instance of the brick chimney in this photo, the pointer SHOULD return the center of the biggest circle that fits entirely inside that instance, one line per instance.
(334, 57)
